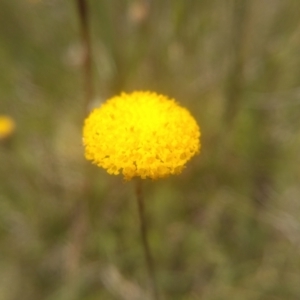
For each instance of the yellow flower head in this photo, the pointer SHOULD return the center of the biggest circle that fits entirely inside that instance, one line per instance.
(141, 134)
(7, 127)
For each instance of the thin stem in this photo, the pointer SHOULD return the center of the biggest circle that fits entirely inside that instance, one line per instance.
(237, 46)
(79, 218)
(144, 237)
(83, 14)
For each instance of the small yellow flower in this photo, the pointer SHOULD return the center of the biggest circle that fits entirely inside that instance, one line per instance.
(141, 134)
(7, 127)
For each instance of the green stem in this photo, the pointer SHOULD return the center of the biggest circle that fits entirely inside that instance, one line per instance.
(144, 237)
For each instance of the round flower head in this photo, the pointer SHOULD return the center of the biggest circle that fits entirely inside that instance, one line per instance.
(7, 127)
(141, 134)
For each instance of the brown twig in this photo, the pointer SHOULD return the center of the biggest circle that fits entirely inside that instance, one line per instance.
(144, 237)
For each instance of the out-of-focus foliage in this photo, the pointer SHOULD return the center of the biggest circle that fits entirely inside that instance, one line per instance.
(228, 227)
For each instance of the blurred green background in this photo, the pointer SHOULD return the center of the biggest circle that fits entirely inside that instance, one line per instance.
(228, 227)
